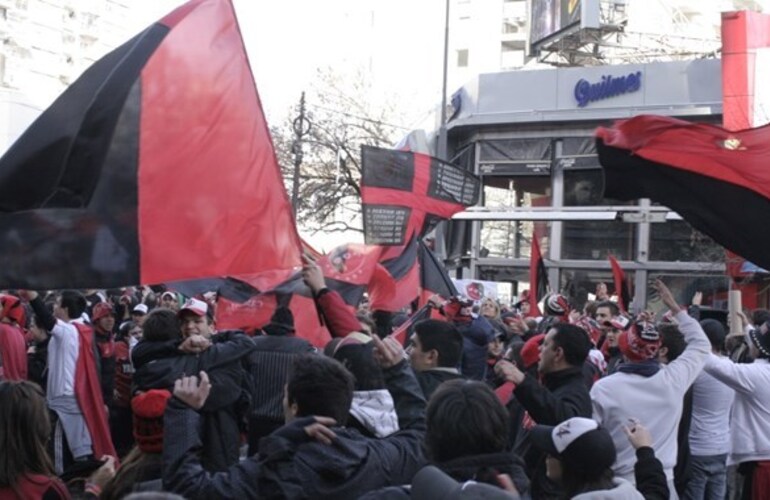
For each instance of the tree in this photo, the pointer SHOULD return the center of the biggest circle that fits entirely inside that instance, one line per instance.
(344, 114)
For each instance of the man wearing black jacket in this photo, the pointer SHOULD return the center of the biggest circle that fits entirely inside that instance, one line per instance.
(562, 395)
(313, 455)
(163, 356)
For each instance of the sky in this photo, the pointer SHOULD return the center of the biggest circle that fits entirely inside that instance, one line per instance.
(398, 42)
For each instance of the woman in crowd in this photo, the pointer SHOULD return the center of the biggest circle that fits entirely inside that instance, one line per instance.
(26, 470)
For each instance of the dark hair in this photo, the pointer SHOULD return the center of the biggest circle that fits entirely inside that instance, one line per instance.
(465, 418)
(574, 341)
(442, 336)
(320, 386)
(590, 309)
(134, 468)
(576, 481)
(715, 331)
(614, 310)
(74, 302)
(24, 431)
(759, 317)
(358, 359)
(161, 324)
(672, 339)
(367, 321)
(330, 346)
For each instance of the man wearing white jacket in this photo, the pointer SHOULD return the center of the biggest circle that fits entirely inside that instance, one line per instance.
(750, 445)
(653, 393)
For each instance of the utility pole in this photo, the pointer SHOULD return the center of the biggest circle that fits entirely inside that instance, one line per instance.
(301, 126)
(441, 147)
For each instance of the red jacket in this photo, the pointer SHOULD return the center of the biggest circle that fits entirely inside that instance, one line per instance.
(88, 392)
(13, 353)
(339, 316)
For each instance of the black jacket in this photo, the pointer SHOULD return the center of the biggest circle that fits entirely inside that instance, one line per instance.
(160, 364)
(562, 395)
(477, 334)
(479, 468)
(650, 479)
(269, 366)
(430, 380)
(290, 466)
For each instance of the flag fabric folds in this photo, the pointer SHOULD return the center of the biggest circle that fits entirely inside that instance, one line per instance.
(538, 278)
(156, 165)
(434, 279)
(405, 193)
(717, 180)
(621, 285)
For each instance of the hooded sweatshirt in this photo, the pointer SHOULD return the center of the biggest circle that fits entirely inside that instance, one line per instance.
(375, 411)
(622, 490)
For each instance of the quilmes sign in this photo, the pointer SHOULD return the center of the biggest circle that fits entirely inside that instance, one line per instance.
(609, 86)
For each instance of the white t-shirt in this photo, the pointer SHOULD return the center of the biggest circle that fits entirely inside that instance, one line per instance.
(62, 359)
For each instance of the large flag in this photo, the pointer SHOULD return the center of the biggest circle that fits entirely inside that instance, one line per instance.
(405, 193)
(538, 278)
(434, 279)
(348, 269)
(717, 180)
(403, 267)
(621, 285)
(156, 165)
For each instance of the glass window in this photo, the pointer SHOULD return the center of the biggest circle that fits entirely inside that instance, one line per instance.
(510, 239)
(594, 240)
(713, 288)
(585, 187)
(674, 241)
(462, 58)
(498, 150)
(580, 285)
(513, 239)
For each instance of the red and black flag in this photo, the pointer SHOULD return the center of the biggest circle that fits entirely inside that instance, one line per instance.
(404, 332)
(538, 278)
(401, 286)
(621, 285)
(405, 193)
(717, 180)
(156, 165)
(434, 279)
(349, 270)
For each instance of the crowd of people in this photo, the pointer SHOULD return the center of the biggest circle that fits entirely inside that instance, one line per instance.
(134, 393)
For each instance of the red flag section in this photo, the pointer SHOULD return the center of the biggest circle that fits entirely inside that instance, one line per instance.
(405, 193)
(538, 278)
(621, 285)
(155, 165)
(210, 190)
(715, 179)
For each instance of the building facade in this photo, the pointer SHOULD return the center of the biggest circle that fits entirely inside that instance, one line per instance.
(529, 136)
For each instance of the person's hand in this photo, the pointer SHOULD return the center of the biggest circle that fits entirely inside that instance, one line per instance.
(388, 352)
(320, 431)
(187, 390)
(744, 319)
(697, 298)
(194, 344)
(436, 301)
(666, 296)
(506, 483)
(28, 295)
(103, 474)
(509, 371)
(312, 274)
(601, 291)
(637, 434)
